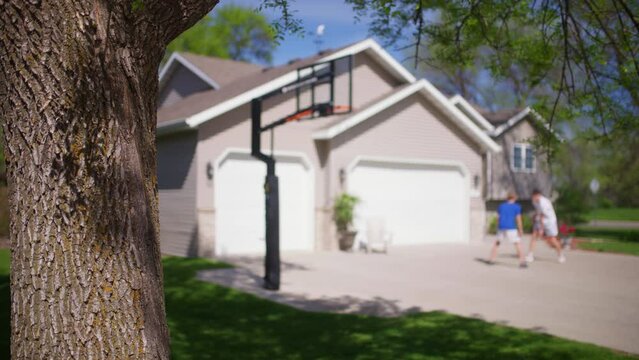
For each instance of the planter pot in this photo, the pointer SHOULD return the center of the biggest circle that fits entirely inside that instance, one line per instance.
(346, 240)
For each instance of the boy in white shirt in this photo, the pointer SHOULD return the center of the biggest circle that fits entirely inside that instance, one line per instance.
(545, 212)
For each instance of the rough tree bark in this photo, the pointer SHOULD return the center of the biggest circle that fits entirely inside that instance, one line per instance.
(78, 83)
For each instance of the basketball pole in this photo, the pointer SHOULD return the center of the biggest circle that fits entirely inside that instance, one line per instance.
(271, 196)
(271, 183)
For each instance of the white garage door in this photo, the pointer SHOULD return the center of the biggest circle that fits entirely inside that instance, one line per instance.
(419, 204)
(239, 203)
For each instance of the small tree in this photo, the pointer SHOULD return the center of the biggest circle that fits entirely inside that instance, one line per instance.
(232, 32)
(572, 204)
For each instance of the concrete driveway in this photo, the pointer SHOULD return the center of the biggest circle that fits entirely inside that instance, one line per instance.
(592, 298)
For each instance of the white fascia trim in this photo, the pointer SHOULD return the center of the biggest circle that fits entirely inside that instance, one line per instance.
(520, 116)
(280, 155)
(382, 55)
(170, 123)
(165, 69)
(511, 122)
(221, 108)
(368, 44)
(176, 57)
(458, 99)
(426, 88)
(173, 126)
(545, 124)
(457, 116)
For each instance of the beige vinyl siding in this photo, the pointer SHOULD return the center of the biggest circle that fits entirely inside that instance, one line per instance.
(370, 81)
(181, 83)
(411, 129)
(232, 130)
(177, 193)
(505, 179)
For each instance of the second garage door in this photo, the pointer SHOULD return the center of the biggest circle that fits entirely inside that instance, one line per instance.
(419, 202)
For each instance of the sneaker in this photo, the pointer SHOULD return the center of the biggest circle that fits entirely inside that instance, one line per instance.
(530, 257)
(562, 259)
(523, 265)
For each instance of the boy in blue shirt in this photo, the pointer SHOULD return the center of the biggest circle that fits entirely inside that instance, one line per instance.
(509, 228)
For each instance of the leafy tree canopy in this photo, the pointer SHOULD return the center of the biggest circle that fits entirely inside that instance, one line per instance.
(231, 32)
(570, 59)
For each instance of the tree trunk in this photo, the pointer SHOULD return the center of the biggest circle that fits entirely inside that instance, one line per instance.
(78, 83)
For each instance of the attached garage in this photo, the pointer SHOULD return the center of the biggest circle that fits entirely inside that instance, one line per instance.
(239, 204)
(420, 202)
(406, 150)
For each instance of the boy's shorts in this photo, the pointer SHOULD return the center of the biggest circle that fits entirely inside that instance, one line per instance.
(537, 225)
(512, 235)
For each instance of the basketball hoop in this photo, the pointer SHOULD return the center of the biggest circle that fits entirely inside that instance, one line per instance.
(321, 110)
(316, 89)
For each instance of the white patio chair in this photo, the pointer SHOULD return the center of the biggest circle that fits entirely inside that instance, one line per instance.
(377, 237)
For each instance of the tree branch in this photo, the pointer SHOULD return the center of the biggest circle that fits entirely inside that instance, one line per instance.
(175, 16)
(631, 15)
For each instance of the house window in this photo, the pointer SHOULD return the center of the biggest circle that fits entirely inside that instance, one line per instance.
(523, 158)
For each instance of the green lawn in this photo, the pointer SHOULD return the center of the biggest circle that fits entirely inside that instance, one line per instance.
(612, 246)
(590, 232)
(622, 214)
(624, 241)
(213, 322)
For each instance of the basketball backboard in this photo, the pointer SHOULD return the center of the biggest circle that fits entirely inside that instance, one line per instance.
(324, 89)
(321, 89)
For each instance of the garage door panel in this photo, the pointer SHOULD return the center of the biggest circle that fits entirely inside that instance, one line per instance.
(239, 205)
(296, 207)
(419, 204)
(240, 213)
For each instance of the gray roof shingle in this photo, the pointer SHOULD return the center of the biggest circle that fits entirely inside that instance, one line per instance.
(201, 101)
(222, 71)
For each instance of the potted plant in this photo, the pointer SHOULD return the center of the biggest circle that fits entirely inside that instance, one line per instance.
(343, 216)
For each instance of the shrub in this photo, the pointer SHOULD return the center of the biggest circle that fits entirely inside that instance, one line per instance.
(527, 223)
(630, 235)
(343, 210)
(572, 204)
(492, 225)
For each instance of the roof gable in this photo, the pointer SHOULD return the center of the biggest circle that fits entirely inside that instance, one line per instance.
(244, 90)
(213, 71)
(177, 60)
(496, 123)
(511, 122)
(222, 71)
(427, 90)
(527, 113)
(180, 84)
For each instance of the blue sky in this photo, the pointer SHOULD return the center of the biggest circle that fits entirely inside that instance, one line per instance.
(338, 17)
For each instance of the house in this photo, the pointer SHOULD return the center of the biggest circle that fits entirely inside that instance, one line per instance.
(518, 167)
(411, 156)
